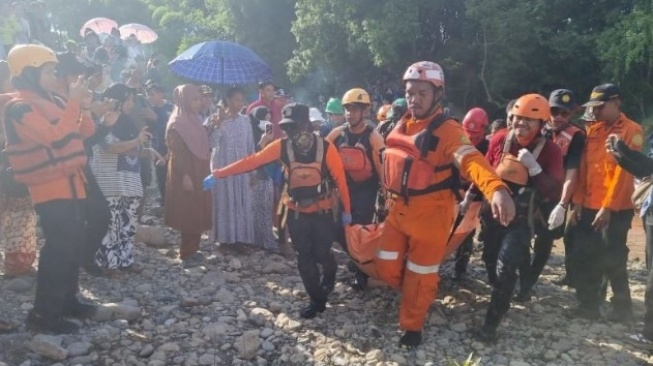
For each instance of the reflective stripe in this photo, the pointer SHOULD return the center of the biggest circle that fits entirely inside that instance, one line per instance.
(422, 269)
(388, 256)
(462, 151)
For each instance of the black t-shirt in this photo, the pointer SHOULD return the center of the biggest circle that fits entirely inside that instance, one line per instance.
(159, 131)
(575, 152)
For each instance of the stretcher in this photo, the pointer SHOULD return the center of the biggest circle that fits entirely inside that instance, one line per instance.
(363, 240)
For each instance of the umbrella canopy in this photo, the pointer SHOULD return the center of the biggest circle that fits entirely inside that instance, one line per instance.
(99, 25)
(220, 62)
(142, 32)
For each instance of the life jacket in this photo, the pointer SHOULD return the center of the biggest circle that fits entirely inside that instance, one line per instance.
(509, 168)
(563, 136)
(406, 171)
(356, 158)
(34, 164)
(306, 182)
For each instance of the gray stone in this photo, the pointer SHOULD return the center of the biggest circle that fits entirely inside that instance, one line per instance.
(268, 346)
(235, 263)
(550, 355)
(398, 359)
(260, 316)
(248, 345)
(48, 346)
(266, 332)
(120, 324)
(146, 351)
(169, 347)
(19, 285)
(276, 267)
(118, 311)
(78, 349)
(225, 296)
(156, 363)
(283, 321)
(519, 363)
(152, 236)
(209, 360)
(216, 330)
(375, 355)
(459, 327)
(143, 288)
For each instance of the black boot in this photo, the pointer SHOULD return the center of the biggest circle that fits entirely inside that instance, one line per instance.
(80, 309)
(410, 339)
(359, 280)
(524, 295)
(311, 311)
(486, 334)
(57, 325)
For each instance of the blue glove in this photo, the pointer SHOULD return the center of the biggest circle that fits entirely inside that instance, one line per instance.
(209, 182)
(346, 218)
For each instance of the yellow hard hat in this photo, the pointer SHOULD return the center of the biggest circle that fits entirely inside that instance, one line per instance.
(29, 55)
(356, 95)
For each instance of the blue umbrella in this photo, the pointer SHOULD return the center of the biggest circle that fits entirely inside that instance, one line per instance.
(220, 62)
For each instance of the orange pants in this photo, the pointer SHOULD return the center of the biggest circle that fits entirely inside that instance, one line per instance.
(413, 245)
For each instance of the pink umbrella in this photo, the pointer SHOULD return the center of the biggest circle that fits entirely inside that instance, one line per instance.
(99, 25)
(142, 32)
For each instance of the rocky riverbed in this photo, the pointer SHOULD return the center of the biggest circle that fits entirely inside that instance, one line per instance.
(241, 309)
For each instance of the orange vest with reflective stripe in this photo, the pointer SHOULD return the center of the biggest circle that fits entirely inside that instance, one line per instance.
(35, 164)
(406, 170)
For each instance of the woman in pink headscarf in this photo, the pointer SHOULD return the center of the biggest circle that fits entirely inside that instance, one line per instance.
(188, 206)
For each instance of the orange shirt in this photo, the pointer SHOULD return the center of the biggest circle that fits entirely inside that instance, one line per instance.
(273, 152)
(454, 147)
(603, 183)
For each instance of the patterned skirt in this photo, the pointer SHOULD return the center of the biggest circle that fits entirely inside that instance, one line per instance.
(263, 193)
(116, 249)
(18, 229)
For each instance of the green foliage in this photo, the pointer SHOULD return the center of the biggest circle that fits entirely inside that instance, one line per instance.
(470, 361)
(491, 50)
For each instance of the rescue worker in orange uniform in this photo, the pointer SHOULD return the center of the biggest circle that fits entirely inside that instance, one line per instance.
(312, 166)
(360, 147)
(604, 211)
(531, 165)
(474, 124)
(45, 148)
(571, 141)
(421, 155)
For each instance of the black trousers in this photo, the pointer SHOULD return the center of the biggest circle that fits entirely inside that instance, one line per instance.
(97, 216)
(464, 253)
(596, 254)
(161, 175)
(312, 236)
(648, 295)
(511, 248)
(57, 280)
(542, 247)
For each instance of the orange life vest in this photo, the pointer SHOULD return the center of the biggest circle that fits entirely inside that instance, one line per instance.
(35, 164)
(406, 170)
(509, 168)
(563, 137)
(356, 158)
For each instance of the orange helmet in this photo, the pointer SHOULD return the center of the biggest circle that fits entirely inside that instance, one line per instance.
(382, 114)
(29, 55)
(425, 71)
(475, 120)
(532, 106)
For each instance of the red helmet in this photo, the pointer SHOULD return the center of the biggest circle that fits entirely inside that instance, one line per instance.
(425, 71)
(475, 120)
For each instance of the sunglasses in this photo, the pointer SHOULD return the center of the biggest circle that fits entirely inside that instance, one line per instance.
(560, 112)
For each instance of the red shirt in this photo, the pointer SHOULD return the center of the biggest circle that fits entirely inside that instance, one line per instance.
(549, 182)
(275, 114)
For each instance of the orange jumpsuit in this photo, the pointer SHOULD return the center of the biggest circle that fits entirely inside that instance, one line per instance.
(413, 243)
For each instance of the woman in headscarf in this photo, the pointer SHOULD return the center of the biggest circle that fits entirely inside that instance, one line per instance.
(188, 206)
(17, 217)
(262, 186)
(116, 165)
(231, 139)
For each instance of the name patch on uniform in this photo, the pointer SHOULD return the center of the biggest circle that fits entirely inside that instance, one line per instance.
(638, 140)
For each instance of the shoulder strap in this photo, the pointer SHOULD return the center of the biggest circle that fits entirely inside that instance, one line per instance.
(539, 147)
(290, 151)
(319, 149)
(507, 143)
(432, 126)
